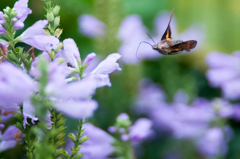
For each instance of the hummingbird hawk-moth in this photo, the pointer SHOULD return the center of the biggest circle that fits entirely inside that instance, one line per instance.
(167, 46)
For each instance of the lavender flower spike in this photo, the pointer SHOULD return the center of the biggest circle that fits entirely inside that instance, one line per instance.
(36, 37)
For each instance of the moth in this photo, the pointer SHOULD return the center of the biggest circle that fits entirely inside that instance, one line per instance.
(167, 46)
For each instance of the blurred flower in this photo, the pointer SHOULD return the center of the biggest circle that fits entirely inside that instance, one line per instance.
(7, 138)
(22, 12)
(99, 144)
(36, 37)
(140, 130)
(91, 26)
(212, 143)
(15, 86)
(131, 32)
(150, 96)
(224, 73)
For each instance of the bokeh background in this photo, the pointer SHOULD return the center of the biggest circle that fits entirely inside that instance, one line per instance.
(219, 23)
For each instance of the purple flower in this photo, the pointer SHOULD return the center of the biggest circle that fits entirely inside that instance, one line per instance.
(89, 58)
(224, 73)
(70, 52)
(140, 130)
(99, 144)
(173, 118)
(15, 86)
(22, 12)
(71, 98)
(36, 37)
(212, 143)
(7, 138)
(102, 71)
(2, 30)
(91, 26)
(150, 96)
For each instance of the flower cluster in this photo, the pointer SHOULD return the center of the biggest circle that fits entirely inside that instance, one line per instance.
(189, 122)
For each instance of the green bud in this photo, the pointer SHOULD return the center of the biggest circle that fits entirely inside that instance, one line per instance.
(79, 155)
(61, 60)
(72, 137)
(56, 22)
(60, 151)
(13, 57)
(7, 10)
(56, 10)
(47, 32)
(83, 139)
(5, 16)
(74, 151)
(65, 153)
(52, 54)
(50, 16)
(60, 45)
(13, 14)
(58, 32)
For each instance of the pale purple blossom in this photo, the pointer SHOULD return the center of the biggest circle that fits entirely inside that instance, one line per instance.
(70, 52)
(150, 96)
(15, 86)
(36, 37)
(102, 71)
(89, 58)
(2, 30)
(140, 130)
(224, 73)
(7, 138)
(212, 143)
(22, 12)
(91, 26)
(99, 144)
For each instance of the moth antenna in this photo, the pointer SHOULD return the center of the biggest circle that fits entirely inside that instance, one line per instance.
(139, 46)
(171, 17)
(151, 38)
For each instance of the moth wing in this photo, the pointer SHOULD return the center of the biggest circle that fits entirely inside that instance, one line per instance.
(184, 46)
(167, 33)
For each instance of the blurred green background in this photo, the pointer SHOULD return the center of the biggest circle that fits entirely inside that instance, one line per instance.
(221, 19)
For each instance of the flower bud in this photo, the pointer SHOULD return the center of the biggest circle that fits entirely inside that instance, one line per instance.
(56, 22)
(59, 46)
(123, 120)
(61, 60)
(56, 10)
(60, 151)
(13, 14)
(18, 25)
(47, 32)
(5, 17)
(58, 32)
(74, 151)
(6, 10)
(72, 137)
(83, 139)
(79, 155)
(89, 58)
(50, 16)
(112, 129)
